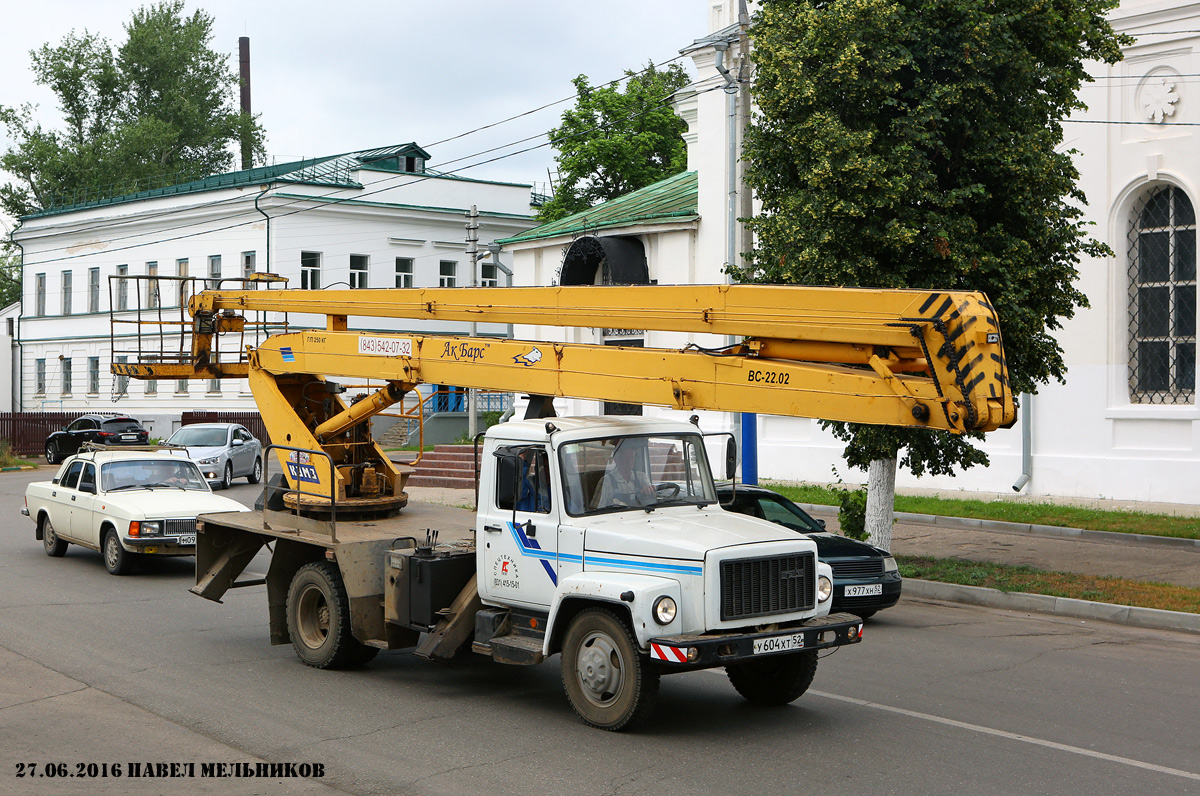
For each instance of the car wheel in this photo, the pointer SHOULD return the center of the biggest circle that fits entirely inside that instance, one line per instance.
(227, 480)
(609, 683)
(117, 560)
(318, 619)
(51, 453)
(775, 680)
(54, 546)
(256, 473)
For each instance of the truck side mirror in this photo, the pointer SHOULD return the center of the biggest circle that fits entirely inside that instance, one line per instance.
(730, 458)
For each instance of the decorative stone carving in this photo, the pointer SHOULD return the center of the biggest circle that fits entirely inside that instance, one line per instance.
(1157, 98)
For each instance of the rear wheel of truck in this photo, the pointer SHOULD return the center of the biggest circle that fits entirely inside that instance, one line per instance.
(318, 619)
(609, 683)
(776, 679)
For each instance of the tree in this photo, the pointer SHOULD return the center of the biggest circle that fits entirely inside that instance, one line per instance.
(915, 143)
(10, 275)
(613, 142)
(160, 109)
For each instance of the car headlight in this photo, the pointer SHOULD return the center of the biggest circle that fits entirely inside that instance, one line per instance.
(889, 564)
(824, 589)
(665, 610)
(144, 528)
(213, 460)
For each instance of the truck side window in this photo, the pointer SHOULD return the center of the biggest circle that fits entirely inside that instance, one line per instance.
(87, 481)
(524, 481)
(71, 479)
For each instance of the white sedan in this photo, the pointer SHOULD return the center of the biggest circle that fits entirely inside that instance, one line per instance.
(125, 504)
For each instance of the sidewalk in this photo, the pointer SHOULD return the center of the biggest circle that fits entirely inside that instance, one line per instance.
(1158, 559)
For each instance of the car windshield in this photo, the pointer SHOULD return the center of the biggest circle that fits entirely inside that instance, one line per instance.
(630, 473)
(151, 473)
(199, 437)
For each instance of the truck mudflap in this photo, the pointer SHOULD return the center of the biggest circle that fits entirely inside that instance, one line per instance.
(719, 649)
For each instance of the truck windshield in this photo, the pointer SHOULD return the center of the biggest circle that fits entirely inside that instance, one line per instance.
(632, 473)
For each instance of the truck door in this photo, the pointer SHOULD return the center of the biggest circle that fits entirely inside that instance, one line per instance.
(519, 529)
(83, 507)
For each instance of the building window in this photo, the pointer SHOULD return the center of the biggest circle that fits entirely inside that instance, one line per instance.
(66, 376)
(93, 375)
(39, 377)
(39, 296)
(1162, 299)
(152, 286)
(181, 269)
(248, 268)
(214, 270)
(214, 385)
(151, 386)
(122, 287)
(66, 292)
(122, 382)
(358, 270)
(446, 273)
(181, 386)
(487, 275)
(404, 272)
(310, 270)
(93, 290)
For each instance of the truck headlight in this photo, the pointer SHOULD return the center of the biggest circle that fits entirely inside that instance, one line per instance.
(665, 610)
(824, 589)
(889, 564)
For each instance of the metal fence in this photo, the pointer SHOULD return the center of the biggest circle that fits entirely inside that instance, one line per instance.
(27, 431)
(251, 420)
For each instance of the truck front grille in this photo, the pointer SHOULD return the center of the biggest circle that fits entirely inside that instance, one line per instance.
(176, 527)
(766, 586)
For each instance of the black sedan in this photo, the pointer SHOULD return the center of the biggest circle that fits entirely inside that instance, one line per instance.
(865, 578)
(102, 429)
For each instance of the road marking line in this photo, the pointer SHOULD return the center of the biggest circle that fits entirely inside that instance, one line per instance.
(1062, 747)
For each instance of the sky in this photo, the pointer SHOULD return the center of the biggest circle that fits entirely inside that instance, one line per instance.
(337, 77)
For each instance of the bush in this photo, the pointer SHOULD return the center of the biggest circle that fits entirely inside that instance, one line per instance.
(853, 513)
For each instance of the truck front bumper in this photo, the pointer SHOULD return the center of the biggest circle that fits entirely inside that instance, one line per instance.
(718, 649)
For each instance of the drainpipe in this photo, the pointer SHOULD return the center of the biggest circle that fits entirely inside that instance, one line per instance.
(262, 192)
(746, 423)
(1026, 443)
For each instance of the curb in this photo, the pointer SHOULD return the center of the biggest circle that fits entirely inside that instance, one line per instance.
(1028, 529)
(1150, 618)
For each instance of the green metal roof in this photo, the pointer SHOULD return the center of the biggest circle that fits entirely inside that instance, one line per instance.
(672, 200)
(332, 170)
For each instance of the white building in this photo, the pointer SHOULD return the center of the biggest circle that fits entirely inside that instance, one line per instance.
(1125, 424)
(375, 218)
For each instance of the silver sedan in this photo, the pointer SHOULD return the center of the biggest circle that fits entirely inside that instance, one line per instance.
(223, 451)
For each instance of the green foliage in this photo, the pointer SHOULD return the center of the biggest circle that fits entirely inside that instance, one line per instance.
(852, 514)
(161, 108)
(10, 275)
(917, 143)
(613, 142)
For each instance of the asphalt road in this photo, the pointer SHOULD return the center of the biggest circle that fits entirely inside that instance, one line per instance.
(938, 699)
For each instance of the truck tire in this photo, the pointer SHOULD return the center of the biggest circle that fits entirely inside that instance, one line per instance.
(318, 619)
(609, 683)
(776, 679)
(54, 546)
(117, 560)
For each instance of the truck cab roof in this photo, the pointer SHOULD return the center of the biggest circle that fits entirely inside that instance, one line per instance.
(569, 429)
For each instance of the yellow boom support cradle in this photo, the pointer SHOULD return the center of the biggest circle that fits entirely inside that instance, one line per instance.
(933, 359)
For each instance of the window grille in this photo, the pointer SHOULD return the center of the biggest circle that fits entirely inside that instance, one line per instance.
(1162, 299)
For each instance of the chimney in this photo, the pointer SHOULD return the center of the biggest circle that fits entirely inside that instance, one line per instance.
(244, 61)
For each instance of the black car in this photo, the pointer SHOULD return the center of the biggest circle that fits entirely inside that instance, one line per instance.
(99, 428)
(865, 578)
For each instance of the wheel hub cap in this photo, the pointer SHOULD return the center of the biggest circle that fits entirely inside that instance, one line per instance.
(599, 668)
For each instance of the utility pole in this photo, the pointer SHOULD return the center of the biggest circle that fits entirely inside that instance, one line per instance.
(473, 265)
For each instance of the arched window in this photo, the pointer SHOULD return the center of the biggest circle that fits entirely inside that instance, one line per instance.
(1162, 299)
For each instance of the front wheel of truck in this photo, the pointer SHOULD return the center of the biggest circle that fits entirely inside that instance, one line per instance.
(318, 619)
(610, 684)
(776, 679)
